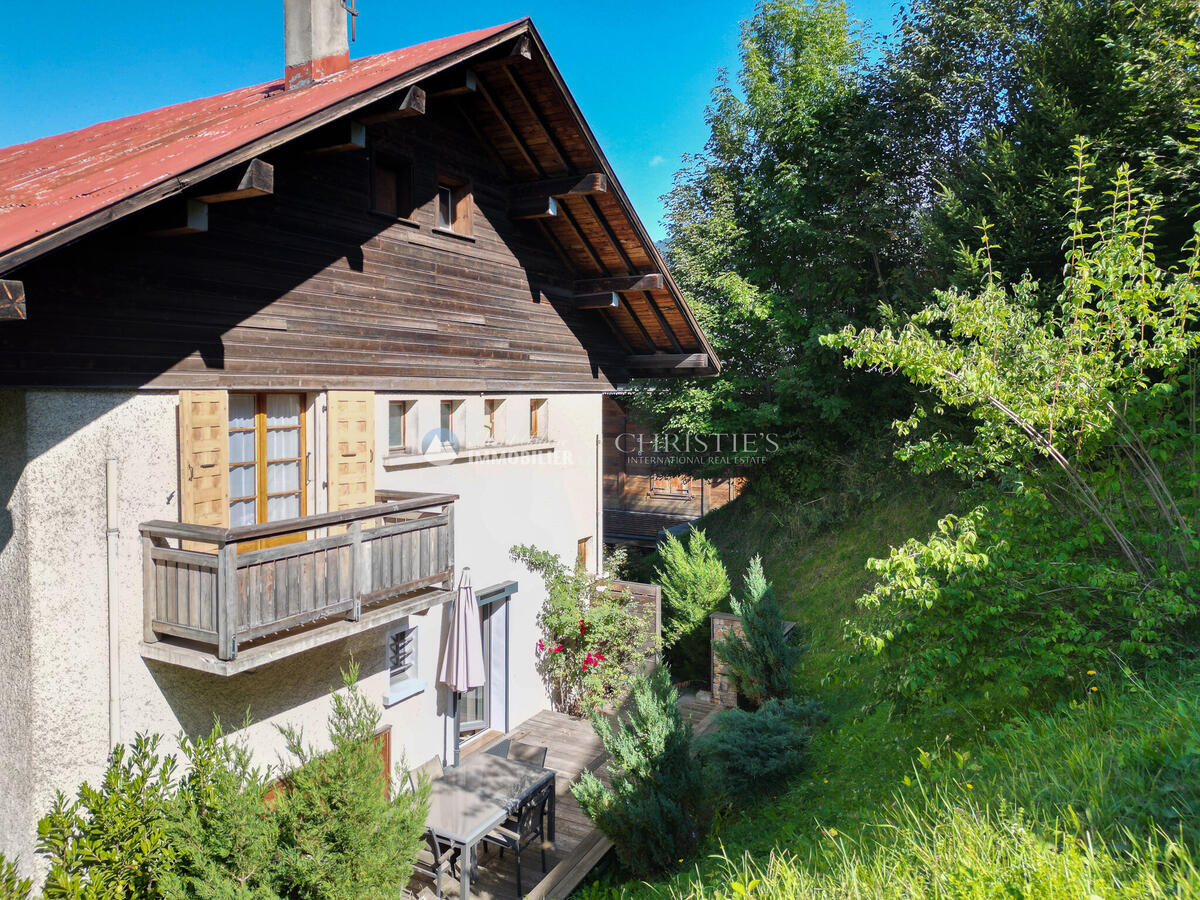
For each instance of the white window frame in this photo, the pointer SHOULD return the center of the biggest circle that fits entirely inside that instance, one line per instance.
(403, 684)
(542, 432)
(411, 443)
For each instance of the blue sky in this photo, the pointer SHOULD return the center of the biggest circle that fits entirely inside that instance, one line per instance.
(641, 71)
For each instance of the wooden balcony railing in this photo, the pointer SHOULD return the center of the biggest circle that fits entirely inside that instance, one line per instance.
(335, 564)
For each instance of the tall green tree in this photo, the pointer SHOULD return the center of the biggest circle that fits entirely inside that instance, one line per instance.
(780, 230)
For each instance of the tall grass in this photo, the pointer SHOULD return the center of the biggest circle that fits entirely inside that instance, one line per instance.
(1098, 797)
(960, 851)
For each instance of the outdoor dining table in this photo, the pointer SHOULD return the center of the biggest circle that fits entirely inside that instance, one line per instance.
(471, 799)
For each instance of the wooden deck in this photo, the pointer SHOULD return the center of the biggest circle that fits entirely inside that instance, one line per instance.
(572, 747)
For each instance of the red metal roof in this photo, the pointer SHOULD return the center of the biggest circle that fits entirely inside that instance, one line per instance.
(51, 182)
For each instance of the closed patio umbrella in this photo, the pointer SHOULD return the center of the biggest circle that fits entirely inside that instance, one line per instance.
(462, 665)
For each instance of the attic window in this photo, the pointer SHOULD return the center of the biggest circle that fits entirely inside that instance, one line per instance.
(391, 187)
(454, 206)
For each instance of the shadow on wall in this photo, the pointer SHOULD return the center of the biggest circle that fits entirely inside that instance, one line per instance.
(20, 445)
(198, 699)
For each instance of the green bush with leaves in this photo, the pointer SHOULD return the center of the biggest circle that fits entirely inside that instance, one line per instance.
(342, 835)
(694, 583)
(223, 833)
(656, 810)
(593, 638)
(764, 656)
(754, 754)
(12, 885)
(113, 841)
(1089, 545)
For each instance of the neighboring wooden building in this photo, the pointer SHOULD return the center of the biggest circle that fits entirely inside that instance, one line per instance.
(275, 366)
(641, 496)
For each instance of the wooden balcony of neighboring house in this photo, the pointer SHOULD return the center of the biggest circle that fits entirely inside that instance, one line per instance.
(225, 600)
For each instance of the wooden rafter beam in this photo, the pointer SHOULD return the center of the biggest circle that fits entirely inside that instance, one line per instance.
(411, 104)
(498, 111)
(602, 221)
(12, 300)
(567, 186)
(622, 341)
(605, 300)
(468, 85)
(521, 51)
(622, 284)
(569, 217)
(256, 179)
(544, 208)
(668, 362)
(518, 86)
(663, 323)
(342, 137)
(556, 245)
(191, 219)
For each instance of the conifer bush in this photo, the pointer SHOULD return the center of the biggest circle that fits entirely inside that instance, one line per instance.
(223, 832)
(762, 659)
(758, 753)
(694, 583)
(656, 811)
(342, 835)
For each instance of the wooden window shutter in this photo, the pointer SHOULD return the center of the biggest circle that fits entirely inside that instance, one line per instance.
(351, 449)
(204, 459)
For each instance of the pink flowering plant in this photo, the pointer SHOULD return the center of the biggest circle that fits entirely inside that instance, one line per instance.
(593, 638)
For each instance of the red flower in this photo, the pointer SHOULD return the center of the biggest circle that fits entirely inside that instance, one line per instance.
(582, 627)
(558, 649)
(541, 645)
(600, 657)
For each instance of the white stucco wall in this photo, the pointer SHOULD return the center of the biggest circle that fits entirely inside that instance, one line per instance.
(54, 647)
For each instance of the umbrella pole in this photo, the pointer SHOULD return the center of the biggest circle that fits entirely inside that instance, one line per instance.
(457, 721)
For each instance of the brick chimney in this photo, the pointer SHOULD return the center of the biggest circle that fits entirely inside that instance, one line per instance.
(315, 41)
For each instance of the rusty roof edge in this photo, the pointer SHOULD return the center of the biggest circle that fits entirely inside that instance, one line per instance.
(625, 202)
(176, 183)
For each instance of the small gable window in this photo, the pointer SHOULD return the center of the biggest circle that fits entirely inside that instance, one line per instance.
(391, 187)
(454, 206)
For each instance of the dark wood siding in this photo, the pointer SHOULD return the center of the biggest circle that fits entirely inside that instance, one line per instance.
(309, 289)
(640, 497)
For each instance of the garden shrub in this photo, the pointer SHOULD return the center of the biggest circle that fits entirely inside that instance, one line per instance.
(761, 660)
(657, 810)
(12, 885)
(694, 582)
(224, 834)
(113, 841)
(341, 835)
(1079, 420)
(758, 753)
(593, 639)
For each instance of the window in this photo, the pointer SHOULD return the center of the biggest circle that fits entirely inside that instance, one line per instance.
(391, 187)
(581, 553)
(538, 430)
(671, 487)
(450, 423)
(454, 206)
(493, 432)
(266, 458)
(402, 426)
(401, 656)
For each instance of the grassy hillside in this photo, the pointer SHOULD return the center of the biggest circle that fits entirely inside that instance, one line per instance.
(1096, 798)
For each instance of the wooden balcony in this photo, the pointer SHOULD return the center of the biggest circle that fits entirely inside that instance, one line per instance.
(227, 599)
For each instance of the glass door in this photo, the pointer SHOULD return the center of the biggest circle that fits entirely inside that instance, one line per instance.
(266, 462)
(476, 709)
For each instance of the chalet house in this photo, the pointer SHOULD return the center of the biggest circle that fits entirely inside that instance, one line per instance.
(275, 366)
